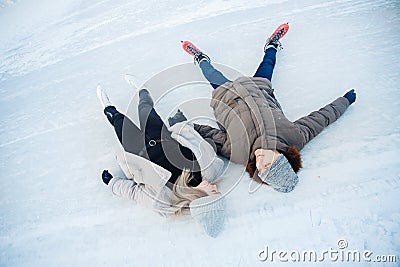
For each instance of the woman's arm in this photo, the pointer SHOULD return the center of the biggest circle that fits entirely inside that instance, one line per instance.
(142, 194)
(146, 183)
(123, 188)
(312, 124)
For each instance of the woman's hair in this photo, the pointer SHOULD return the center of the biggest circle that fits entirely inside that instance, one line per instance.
(292, 154)
(183, 194)
(251, 167)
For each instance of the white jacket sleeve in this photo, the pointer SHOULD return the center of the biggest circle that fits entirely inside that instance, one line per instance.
(143, 171)
(211, 166)
(123, 188)
(142, 194)
(146, 183)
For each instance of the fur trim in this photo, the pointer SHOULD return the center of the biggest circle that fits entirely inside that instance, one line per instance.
(293, 156)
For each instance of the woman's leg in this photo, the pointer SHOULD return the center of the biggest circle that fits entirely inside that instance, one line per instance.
(130, 136)
(267, 65)
(169, 155)
(215, 77)
(150, 121)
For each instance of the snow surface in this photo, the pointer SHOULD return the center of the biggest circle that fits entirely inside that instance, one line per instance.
(55, 141)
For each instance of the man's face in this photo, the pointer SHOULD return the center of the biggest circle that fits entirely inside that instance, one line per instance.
(264, 159)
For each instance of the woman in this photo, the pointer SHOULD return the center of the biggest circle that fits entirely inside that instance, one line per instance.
(162, 173)
(254, 131)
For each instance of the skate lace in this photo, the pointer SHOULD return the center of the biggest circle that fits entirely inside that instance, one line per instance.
(278, 35)
(193, 50)
(197, 54)
(275, 40)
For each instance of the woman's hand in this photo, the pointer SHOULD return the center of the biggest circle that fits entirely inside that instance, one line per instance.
(210, 189)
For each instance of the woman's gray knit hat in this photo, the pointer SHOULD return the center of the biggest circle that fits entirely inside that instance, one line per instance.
(280, 175)
(209, 212)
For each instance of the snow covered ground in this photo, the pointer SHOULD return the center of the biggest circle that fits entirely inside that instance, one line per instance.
(55, 141)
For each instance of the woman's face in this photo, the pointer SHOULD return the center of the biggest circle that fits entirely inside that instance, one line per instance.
(265, 158)
(210, 189)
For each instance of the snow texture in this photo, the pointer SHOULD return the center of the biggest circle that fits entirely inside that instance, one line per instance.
(55, 141)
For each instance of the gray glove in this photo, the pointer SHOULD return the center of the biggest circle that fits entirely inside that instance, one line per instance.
(178, 117)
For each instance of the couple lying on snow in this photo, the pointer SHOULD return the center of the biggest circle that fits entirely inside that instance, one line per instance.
(174, 169)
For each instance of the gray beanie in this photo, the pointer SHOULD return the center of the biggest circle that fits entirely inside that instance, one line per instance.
(209, 212)
(280, 175)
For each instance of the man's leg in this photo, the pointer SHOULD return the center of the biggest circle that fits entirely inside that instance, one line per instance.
(267, 65)
(130, 136)
(215, 77)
